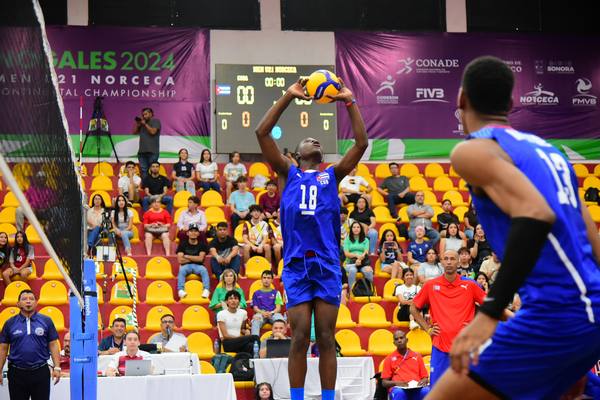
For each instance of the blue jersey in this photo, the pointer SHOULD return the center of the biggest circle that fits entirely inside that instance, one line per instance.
(566, 275)
(310, 216)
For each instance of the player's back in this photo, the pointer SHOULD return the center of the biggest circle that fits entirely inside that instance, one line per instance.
(566, 275)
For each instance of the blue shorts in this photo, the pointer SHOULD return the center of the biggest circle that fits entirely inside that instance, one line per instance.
(440, 361)
(309, 278)
(538, 355)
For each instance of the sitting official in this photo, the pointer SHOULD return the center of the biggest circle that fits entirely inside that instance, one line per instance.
(168, 341)
(278, 332)
(65, 355)
(114, 343)
(116, 366)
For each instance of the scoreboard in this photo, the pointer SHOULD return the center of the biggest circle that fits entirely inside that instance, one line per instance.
(244, 93)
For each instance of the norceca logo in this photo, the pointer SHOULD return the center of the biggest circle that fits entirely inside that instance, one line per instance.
(539, 97)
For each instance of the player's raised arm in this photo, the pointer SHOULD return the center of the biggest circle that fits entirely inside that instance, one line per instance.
(278, 161)
(354, 154)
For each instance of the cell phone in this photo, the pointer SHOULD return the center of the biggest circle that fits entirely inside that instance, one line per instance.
(138, 119)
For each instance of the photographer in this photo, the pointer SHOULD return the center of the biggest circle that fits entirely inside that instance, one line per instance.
(148, 128)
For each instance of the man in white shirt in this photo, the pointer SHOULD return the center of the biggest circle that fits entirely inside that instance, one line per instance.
(129, 183)
(232, 324)
(169, 341)
(350, 188)
(116, 366)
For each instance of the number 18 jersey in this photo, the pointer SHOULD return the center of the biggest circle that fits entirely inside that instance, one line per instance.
(310, 216)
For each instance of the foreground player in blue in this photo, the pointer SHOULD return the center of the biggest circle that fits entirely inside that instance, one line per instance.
(525, 193)
(310, 220)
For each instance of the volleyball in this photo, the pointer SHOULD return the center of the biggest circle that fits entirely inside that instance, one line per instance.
(322, 83)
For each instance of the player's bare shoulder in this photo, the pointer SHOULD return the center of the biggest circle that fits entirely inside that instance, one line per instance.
(476, 160)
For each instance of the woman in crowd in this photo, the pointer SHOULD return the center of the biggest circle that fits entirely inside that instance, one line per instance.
(233, 171)
(4, 250)
(20, 259)
(363, 214)
(405, 294)
(390, 254)
(483, 281)
(94, 221)
(228, 282)
(122, 221)
(431, 268)
(157, 222)
(183, 173)
(452, 241)
(207, 172)
(479, 247)
(264, 391)
(356, 250)
(471, 221)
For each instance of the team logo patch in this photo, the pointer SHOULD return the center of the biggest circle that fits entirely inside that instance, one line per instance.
(323, 178)
(436, 287)
(39, 331)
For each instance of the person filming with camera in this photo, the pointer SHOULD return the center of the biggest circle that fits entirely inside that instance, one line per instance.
(148, 128)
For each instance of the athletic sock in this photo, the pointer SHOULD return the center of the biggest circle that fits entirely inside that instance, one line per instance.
(297, 393)
(327, 394)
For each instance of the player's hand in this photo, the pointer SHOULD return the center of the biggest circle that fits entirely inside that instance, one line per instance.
(1, 379)
(434, 330)
(466, 345)
(56, 376)
(344, 94)
(297, 90)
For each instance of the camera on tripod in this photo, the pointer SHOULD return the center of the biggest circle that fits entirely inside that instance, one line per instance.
(106, 224)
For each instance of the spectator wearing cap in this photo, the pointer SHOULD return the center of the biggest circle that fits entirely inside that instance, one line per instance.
(190, 255)
(270, 200)
(256, 235)
(193, 215)
(240, 202)
(155, 184)
(32, 338)
(225, 251)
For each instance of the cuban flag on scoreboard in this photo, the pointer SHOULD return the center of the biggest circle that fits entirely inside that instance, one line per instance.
(223, 90)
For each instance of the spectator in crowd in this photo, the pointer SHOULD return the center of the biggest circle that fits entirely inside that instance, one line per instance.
(116, 366)
(465, 266)
(167, 340)
(156, 224)
(401, 368)
(65, 355)
(20, 259)
(264, 391)
(446, 217)
(276, 238)
(350, 188)
(266, 303)
(122, 222)
(256, 235)
(233, 171)
(278, 332)
(228, 281)
(156, 185)
(483, 281)
(405, 294)
(356, 250)
(207, 172)
(363, 214)
(148, 128)
(479, 247)
(452, 239)
(490, 267)
(32, 339)
(431, 268)
(190, 256)
(193, 215)
(183, 173)
(451, 301)
(420, 214)
(114, 343)
(390, 254)
(232, 324)
(94, 221)
(396, 189)
(417, 248)
(129, 183)
(4, 251)
(270, 201)
(225, 251)
(344, 224)
(240, 202)
(471, 221)
(40, 198)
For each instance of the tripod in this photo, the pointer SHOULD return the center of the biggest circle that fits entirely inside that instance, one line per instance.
(98, 126)
(110, 237)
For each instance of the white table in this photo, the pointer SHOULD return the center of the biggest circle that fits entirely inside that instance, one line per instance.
(353, 377)
(167, 361)
(154, 387)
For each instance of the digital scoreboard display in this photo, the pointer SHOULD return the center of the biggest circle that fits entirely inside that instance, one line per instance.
(244, 93)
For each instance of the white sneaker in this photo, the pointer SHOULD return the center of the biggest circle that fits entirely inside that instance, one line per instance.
(413, 325)
(182, 294)
(205, 293)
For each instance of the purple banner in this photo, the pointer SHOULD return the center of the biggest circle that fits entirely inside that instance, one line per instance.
(407, 84)
(166, 69)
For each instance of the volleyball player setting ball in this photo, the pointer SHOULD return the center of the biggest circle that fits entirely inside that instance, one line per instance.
(310, 219)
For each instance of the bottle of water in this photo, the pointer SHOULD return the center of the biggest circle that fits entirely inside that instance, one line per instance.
(255, 349)
(217, 346)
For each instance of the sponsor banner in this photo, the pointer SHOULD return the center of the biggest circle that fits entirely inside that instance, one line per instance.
(407, 85)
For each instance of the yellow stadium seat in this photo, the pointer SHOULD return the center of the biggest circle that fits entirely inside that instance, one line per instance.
(259, 168)
(382, 215)
(124, 312)
(207, 368)
(30, 277)
(418, 183)
(462, 185)
(7, 215)
(372, 315)
(214, 215)
(159, 268)
(409, 170)
(381, 343)
(597, 170)
(159, 292)
(433, 170)
(100, 294)
(363, 170)
(154, 315)
(396, 323)
(102, 183)
(259, 195)
(136, 235)
(119, 294)
(437, 210)
(430, 198)
(350, 343)
(196, 318)
(377, 199)
(265, 335)
(162, 171)
(403, 214)
(99, 269)
(419, 341)
(136, 215)
(7, 313)
(255, 267)
(594, 210)
(280, 267)
(385, 227)
(32, 235)
(378, 272)
(129, 265)
(452, 172)
(201, 344)
(590, 181)
(10, 200)
(103, 168)
(56, 316)
(460, 212)
(212, 198)
(178, 213)
(194, 289)
(344, 318)
(9, 229)
(455, 197)
(53, 293)
(365, 299)
(443, 184)
(11, 293)
(51, 271)
(181, 199)
(254, 286)
(581, 171)
(389, 288)
(105, 196)
(382, 171)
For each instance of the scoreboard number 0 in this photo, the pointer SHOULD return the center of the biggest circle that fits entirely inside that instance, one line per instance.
(245, 94)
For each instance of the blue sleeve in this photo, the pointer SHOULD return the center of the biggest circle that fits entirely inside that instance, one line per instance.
(52, 334)
(4, 333)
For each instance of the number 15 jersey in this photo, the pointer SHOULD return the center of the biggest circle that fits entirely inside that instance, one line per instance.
(310, 216)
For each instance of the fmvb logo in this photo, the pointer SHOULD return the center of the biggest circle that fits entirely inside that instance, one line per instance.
(429, 95)
(539, 97)
(584, 97)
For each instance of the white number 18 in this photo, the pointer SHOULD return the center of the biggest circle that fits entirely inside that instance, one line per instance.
(312, 197)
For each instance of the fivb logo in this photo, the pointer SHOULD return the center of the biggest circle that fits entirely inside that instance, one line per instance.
(539, 97)
(584, 97)
(429, 95)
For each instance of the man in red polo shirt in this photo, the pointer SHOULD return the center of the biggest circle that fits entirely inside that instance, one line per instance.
(451, 299)
(404, 373)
